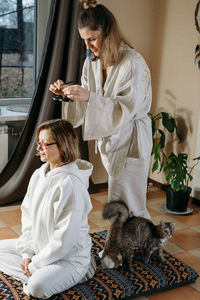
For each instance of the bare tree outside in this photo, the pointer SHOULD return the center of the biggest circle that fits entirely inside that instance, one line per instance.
(16, 48)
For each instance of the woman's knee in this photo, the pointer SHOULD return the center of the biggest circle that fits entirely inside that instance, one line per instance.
(8, 245)
(35, 288)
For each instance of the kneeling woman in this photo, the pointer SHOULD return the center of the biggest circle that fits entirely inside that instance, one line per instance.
(53, 252)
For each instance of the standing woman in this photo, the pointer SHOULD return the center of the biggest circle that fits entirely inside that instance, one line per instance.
(112, 104)
(53, 252)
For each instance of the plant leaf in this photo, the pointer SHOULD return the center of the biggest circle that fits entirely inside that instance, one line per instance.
(162, 138)
(155, 166)
(168, 122)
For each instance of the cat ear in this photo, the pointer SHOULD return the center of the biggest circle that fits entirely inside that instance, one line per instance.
(173, 224)
(162, 223)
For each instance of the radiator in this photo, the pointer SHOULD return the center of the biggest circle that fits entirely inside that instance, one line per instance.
(3, 146)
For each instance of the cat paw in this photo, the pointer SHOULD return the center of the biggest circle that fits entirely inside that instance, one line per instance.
(107, 262)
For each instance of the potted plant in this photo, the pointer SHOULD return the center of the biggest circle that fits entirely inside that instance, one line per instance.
(168, 124)
(179, 174)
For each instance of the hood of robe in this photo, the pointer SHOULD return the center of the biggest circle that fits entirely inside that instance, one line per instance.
(82, 169)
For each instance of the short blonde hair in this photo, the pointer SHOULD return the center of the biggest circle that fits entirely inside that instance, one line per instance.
(65, 136)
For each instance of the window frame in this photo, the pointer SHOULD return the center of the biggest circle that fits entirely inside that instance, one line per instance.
(26, 100)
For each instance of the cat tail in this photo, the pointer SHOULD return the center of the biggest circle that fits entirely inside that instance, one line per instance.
(116, 209)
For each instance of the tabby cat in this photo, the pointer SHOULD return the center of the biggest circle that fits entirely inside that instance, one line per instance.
(127, 232)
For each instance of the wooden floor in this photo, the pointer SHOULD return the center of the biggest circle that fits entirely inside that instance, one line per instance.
(185, 244)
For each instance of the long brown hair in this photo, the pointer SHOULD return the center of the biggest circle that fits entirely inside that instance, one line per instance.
(65, 136)
(97, 16)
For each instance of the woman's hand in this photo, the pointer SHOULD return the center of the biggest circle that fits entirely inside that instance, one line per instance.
(76, 92)
(57, 87)
(24, 265)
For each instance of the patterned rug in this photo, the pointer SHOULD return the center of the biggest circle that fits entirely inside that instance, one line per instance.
(115, 284)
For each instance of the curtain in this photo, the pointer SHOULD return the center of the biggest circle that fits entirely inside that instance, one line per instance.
(62, 58)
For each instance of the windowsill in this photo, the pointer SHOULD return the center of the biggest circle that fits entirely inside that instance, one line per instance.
(14, 101)
(14, 110)
(6, 115)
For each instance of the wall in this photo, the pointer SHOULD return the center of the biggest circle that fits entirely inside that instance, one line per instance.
(164, 33)
(136, 19)
(175, 77)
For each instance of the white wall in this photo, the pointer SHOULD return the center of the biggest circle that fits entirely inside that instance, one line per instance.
(175, 76)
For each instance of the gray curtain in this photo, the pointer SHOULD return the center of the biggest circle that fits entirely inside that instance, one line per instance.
(63, 56)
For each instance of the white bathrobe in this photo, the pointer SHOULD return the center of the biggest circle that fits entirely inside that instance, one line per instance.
(116, 116)
(54, 231)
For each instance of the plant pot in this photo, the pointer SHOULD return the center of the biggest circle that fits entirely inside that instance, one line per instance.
(177, 200)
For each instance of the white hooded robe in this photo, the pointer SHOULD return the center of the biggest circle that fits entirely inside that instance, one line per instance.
(116, 117)
(54, 231)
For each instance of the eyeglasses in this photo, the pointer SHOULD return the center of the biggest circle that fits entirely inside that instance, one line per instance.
(45, 145)
(64, 98)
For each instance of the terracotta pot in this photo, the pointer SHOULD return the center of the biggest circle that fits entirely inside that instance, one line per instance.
(177, 200)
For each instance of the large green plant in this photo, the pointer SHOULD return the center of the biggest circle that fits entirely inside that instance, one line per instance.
(178, 172)
(161, 123)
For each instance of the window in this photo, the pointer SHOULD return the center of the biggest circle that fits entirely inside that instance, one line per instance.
(17, 48)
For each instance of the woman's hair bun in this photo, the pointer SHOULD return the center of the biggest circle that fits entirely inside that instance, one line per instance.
(88, 3)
